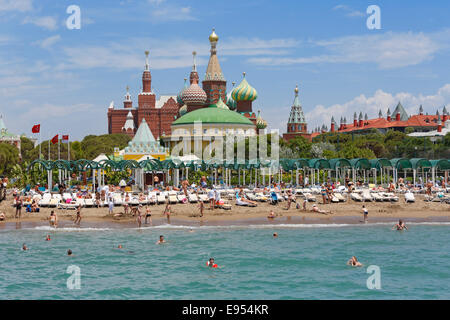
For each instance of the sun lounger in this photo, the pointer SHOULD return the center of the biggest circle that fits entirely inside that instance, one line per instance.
(377, 197)
(366, 196)
(203, 197)
(240, 202)
(356, 197)
(173, 198)
(161, 198)
(315, 190)
(409, 197)
(66, 196)
(340, 197)
(117, 199)
(89, 202)
(151, 199)
(251, 196)
(309, 197)
(334, 199)
(261, 197)
(53, 202)
(192, 197)
(67, 206)
(182, 198)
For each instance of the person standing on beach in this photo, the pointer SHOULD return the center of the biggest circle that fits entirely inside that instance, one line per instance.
(18, 207)
(148, 215)
(53, 219)
(78, 218)
(211, 197)
(365, 213)
(139, 216)
(324, 194)
(201, 206)
(167, 212)
(110, 204)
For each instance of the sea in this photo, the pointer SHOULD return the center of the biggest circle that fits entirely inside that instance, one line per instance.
(305, 261)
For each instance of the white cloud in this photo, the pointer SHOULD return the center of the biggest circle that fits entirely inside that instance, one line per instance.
(389, 50)
(16, 5)
(162, 54)
(47, 42)
(349, 11)
(379, 100)
(48, 22)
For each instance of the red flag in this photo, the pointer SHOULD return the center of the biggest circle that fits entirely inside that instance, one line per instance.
(55, 139)
(36, 128)
(65, 138)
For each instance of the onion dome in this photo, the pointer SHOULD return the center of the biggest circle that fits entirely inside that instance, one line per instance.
(244, 92)
(260, 122)
(179, 96)
(194, 95)
(183, 110)
(230, 101)
(213, 37)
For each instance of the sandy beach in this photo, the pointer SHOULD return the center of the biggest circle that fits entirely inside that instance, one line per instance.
(189, 214)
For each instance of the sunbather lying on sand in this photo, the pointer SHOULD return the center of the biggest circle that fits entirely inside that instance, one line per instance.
(315, 208)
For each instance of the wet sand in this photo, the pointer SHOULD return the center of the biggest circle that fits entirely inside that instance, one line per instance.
(189, 214)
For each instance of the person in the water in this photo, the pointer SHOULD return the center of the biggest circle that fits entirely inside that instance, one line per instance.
(161, 240)
(275, 235)
(400, 226)
(47, 238)
(119, 246)
(354, 262)
(69, 252)
(211, 263)
(24, 247)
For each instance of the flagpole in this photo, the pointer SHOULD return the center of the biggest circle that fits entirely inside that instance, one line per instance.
(68, 156)
(49, 149)
(40, 147)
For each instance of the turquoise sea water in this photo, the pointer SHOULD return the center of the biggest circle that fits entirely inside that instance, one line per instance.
(304, 262)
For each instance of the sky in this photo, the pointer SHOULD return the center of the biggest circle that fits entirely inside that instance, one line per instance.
(65, 79)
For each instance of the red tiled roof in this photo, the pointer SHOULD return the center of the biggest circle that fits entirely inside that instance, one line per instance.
(382, 123)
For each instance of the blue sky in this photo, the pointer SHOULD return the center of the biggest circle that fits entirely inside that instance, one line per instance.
(65, 79)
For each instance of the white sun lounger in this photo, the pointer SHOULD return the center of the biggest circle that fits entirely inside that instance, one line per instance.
(192, 197)
(366, 195)
(309, 197)
(181, 198)
(377, 197)
(356, 197)
(53, 202)
(89, 202)
(173, 198)
(340, 197)
(161, 198)
(409, 197)
(66, 195)
(203, 197)
(45, 201)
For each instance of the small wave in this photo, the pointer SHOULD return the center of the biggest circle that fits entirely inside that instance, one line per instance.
(48, 228)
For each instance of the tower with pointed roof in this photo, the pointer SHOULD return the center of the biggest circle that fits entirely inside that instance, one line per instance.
(297, 121)
(214, 83)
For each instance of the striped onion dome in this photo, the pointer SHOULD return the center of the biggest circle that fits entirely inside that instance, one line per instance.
(230, 101)
(260, 122)
(194, 95)
(244, 92)
(179, 96)
(183, 110)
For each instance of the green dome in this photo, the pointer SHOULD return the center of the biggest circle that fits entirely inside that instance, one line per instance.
(212, 114)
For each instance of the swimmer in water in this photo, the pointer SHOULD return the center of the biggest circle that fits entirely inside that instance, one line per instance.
(400, 226)
(211, 263)
(69, 252)
(47, 238)
(275, 235)
(354, 262)
(119, 246)
(24, 247)
(161, 240)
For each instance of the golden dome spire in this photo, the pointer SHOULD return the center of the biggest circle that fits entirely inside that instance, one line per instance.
(213, 36)
(296, 89)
